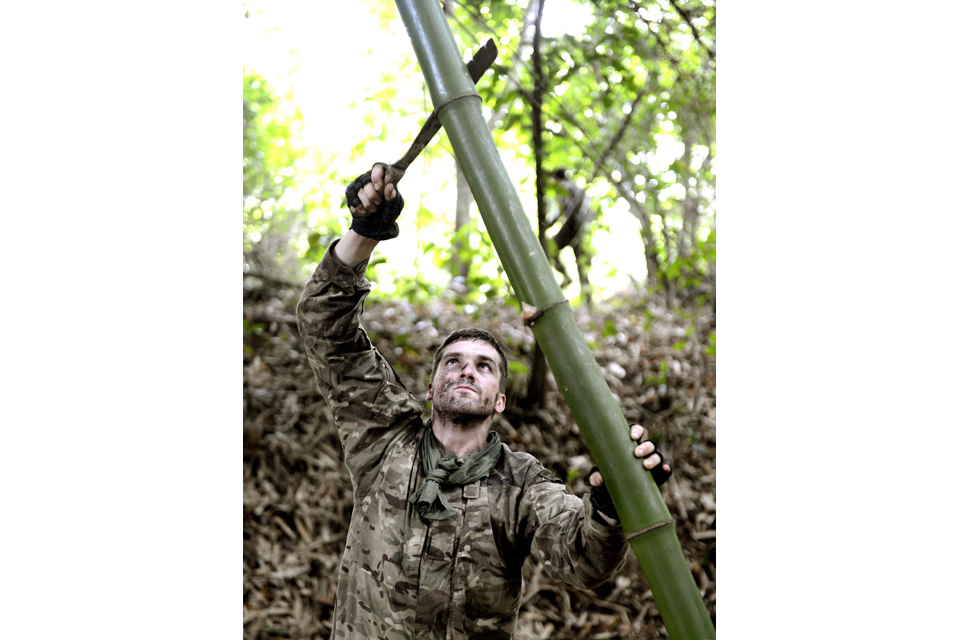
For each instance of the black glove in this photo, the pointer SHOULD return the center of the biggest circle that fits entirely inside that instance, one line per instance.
(600, 498)
(659, 475)
(381, 224)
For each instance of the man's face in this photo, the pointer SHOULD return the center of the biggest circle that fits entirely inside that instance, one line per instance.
(466, 386)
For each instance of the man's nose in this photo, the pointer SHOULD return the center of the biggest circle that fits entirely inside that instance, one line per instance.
(467, 371)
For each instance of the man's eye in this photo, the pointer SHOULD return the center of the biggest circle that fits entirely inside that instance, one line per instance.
(484, 365)
(452, 361)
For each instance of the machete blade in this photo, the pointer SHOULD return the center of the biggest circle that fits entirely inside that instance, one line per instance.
(480, 62)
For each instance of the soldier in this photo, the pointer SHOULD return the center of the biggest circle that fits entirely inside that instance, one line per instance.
(444, 513)
(574, 206)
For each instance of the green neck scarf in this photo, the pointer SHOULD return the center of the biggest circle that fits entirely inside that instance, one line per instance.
(443, 469)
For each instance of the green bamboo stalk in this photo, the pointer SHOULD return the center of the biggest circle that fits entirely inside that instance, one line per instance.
(605, 431)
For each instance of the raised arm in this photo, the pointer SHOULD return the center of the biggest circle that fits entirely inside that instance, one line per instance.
(369, 403)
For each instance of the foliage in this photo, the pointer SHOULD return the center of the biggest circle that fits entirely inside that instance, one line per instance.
(267, 157)
(485, 278)
(270, 206)
(629, 109)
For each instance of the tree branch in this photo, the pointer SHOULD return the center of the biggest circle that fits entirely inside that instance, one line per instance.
(279, 282)
(696, 34)
(656, 34)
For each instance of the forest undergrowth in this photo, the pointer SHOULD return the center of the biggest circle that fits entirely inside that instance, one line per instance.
(297, 497)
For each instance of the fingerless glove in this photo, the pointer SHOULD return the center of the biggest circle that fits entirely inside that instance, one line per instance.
(600, 498)
(382, 223)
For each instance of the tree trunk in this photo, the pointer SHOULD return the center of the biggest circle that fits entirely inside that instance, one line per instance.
(526, 40)
(460, 267)
(645, 518)
(537, 385)
(691, 217)
(669, 234)
(646, 231)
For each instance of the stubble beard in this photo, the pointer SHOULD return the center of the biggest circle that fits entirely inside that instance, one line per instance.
(463, 411)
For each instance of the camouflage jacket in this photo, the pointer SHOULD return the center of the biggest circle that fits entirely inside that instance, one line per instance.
(405, 577)
(576, 208)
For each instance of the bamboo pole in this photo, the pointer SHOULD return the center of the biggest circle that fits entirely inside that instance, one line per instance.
(641, 508)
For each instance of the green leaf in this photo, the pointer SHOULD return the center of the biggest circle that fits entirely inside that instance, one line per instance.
(609, 329)
(518, 367)
(712, 346)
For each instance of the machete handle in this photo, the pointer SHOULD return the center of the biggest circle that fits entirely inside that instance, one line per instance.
(391, 175)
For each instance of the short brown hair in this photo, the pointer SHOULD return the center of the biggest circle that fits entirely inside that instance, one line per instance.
(473, 334)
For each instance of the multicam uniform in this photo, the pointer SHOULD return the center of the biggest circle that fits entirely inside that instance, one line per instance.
(405, 577)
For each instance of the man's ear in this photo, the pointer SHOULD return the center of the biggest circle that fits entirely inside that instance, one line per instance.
(429, 392)
(501, 403)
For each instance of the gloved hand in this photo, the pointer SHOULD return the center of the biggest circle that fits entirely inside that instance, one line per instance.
(375, 204)
(647, 450)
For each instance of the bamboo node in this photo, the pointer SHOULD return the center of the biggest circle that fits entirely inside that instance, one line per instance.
(532, 313)
(449, 100)
(637, 534)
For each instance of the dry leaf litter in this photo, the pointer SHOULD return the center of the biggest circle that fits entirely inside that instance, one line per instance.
(297, 498)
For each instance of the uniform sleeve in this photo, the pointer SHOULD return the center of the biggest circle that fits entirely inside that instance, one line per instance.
(570, 544)
(370, 405)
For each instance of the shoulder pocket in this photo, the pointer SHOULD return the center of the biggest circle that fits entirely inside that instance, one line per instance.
(546, 475)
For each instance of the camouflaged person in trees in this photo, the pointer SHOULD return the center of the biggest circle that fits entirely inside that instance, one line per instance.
(575, 208)
(444, 513)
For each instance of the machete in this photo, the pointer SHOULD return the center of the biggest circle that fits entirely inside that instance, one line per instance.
(480, 62)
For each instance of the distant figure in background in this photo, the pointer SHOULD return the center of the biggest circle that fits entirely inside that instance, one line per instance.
(574, 205)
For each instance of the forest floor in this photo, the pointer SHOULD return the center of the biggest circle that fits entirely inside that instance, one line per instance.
(297, 497)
